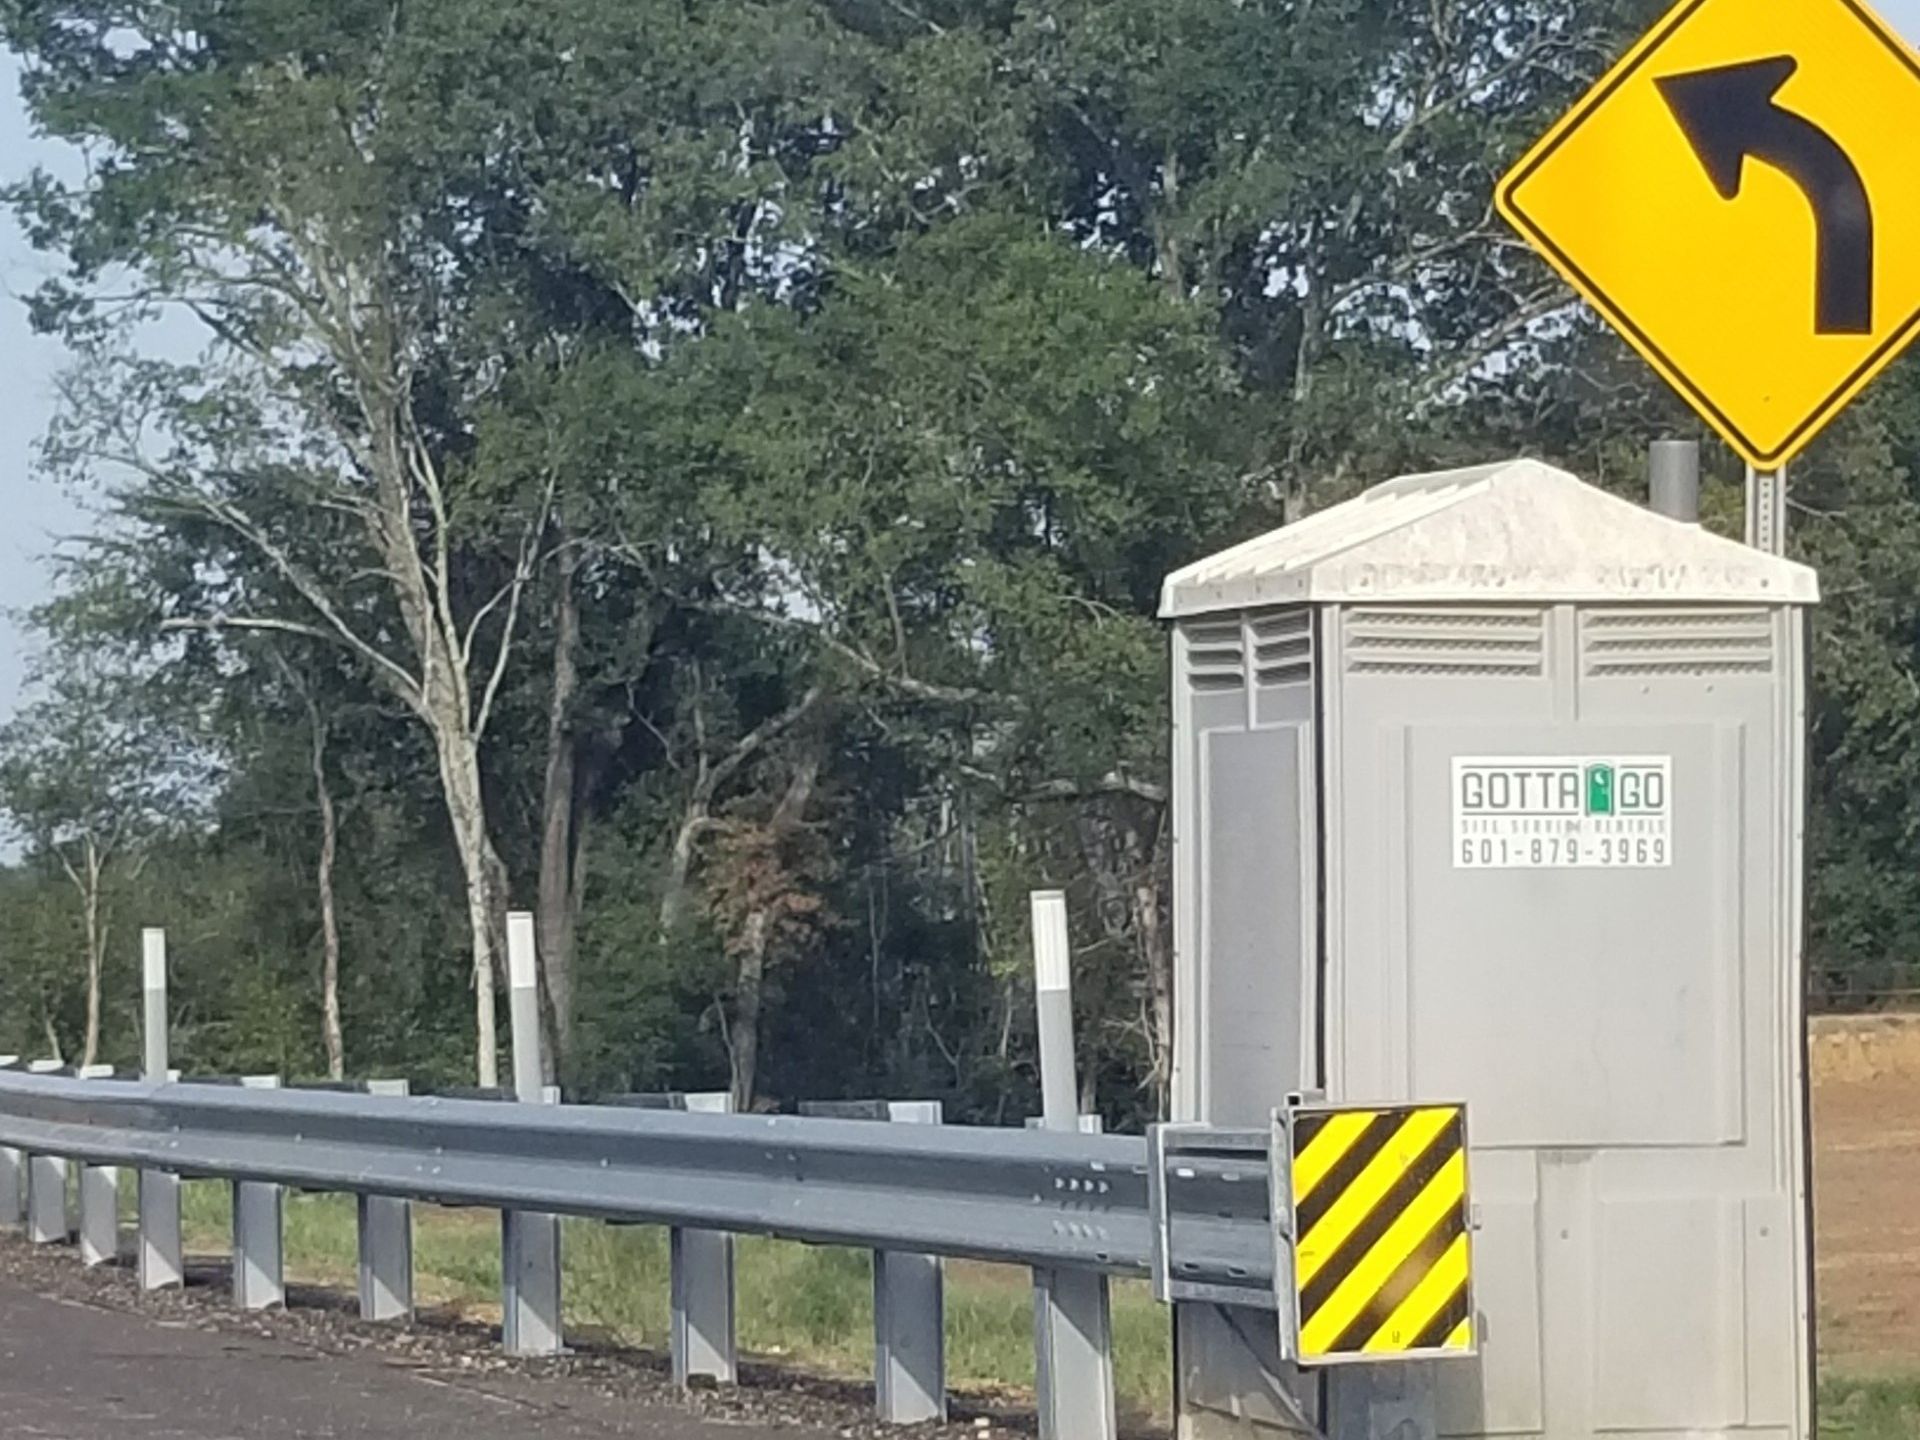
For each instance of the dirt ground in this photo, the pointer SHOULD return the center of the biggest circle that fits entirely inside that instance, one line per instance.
(1866, 1137)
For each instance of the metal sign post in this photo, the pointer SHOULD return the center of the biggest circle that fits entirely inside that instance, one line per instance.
(1767, 510)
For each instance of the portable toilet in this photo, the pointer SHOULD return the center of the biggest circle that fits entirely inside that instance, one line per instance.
(1489, 787)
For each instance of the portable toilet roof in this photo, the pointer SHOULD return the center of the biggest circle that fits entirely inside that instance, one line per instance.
(1516, 531)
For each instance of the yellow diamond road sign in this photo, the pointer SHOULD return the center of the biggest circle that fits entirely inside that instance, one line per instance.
(1740, 197)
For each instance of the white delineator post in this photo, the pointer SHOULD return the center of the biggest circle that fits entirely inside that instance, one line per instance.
(1072, 1313)
(161, 1261)
(529, 1242)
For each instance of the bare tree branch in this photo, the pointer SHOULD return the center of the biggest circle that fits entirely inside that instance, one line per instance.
(898, 679)
(1488, 344)
(757, 739)
(522, 576)
(310, 590)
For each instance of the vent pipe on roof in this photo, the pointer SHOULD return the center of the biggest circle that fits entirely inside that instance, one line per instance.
(1673, 475)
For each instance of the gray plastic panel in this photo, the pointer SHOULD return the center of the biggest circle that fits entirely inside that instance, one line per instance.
(1255, 897)
(1246, 855)
(1504, 965)
(1624, 1037)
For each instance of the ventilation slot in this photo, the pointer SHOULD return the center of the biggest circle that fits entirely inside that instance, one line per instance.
(1283, 648)
(1676, 642)
(1217, 656)
(1445, 642)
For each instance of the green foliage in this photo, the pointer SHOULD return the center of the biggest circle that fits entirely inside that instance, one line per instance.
(735, 391)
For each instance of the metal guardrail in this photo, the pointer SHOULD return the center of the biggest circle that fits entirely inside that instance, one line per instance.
(1187, 1207)
(1025, 1197)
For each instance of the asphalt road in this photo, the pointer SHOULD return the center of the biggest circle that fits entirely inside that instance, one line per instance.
(74, 1371)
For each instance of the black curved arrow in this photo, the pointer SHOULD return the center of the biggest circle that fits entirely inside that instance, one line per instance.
(1729, 114)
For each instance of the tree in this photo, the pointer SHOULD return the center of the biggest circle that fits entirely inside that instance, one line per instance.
(406, 230)
(764, 888)
(82, 779)
(971, 471)
(1322, 175)
(332, 1034)
(721, 458)
(272, 184)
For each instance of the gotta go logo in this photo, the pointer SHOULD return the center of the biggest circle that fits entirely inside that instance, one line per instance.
(1520, 812)
(1565, 789)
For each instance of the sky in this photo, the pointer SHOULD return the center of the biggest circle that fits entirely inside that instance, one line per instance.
(31, 511)
(34, 514)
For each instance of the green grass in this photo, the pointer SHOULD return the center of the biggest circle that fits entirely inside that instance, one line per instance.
(813, 1307)
(1870, 1409)
(801, 1304)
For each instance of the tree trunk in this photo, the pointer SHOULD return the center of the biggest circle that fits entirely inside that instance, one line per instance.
(486, 879)
(96, 944)
(697, 817)
(673, 897)
(1123, 847)
(750, 969)
(559, 845)
(330, 1029)
(749, 996)
(1158, 955)
(1293, 483)
(1152, 884)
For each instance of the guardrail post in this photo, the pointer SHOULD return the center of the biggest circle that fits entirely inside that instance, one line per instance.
(702, 1285)
(99, 1199)
(13, 1175)
(529, 1242)
(259, 1222)
(386, 1244)
(909, 1317)
(162, 1262)
(47, 1184)
(1072, 1313)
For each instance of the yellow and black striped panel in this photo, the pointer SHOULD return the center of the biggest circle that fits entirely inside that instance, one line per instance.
(1381, 1254)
